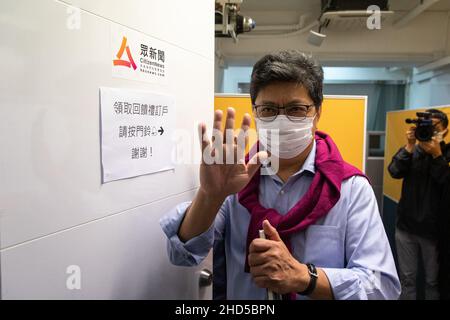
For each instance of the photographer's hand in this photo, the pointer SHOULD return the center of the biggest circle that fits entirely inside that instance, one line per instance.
(411, 138)
(432, 147)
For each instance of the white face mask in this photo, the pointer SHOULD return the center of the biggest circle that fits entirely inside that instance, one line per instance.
(440, 135)
(284, 138)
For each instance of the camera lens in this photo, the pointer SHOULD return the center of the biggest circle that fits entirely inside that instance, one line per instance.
(424, 131)
(244, 24)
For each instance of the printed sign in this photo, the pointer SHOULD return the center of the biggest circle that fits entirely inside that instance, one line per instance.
(136, 131)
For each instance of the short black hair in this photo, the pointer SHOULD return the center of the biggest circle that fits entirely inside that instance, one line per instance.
(288, 66)
(440, 115)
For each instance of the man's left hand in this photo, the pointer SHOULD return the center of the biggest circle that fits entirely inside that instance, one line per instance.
(431, 147)
(273, 267)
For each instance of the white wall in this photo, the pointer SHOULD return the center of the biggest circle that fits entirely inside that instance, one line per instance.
(54, 210)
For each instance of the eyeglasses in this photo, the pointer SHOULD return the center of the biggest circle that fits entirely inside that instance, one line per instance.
(296, 112)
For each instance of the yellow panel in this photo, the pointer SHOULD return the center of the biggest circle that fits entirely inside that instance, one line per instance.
(242, 104)
(342, 117)
(396, 138)
(344, 120)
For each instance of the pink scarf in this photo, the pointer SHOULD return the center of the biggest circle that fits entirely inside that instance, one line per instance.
(323, 193)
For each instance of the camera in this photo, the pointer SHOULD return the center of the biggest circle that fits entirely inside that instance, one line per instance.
(424, 126)
(228, 22)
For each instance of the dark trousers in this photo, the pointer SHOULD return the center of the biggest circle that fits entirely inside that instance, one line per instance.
(410, 248)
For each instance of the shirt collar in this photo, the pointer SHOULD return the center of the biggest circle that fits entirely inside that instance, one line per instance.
(308, 165)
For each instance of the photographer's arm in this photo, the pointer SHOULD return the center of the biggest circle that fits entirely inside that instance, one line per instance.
(440, 169)
(401, 162)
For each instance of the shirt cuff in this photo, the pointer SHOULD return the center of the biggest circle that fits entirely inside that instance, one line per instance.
(191, 252)
(345, 284)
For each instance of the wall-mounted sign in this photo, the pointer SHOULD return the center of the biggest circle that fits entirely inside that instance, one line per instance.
(135, 56)
(136, 132)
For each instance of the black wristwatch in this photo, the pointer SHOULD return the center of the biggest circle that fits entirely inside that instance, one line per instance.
(312, 280)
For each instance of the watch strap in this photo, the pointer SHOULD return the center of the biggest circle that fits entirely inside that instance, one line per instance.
(312, 271)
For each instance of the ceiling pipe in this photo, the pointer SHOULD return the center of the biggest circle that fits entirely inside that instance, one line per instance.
(437, 64)
(278, 35)
(424, 5)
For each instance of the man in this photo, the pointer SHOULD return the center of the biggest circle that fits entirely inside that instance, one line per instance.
(319, 215)
(444, 242)
(423, 166)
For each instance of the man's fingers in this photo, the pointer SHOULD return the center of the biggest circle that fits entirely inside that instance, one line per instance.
(246, 121)
(229, 122)
(241, 140)
(218, 114)
(260, 245)
(203, 138)
(256, 259)
(262, 281)
(217, 125)
(271, 232)
(228, 136)
(255, 162)
(258, 271)
(425, 145)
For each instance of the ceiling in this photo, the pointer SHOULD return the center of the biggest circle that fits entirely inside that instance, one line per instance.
(314, 6)
(280, 5)
(281, 12)
(349, 41)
